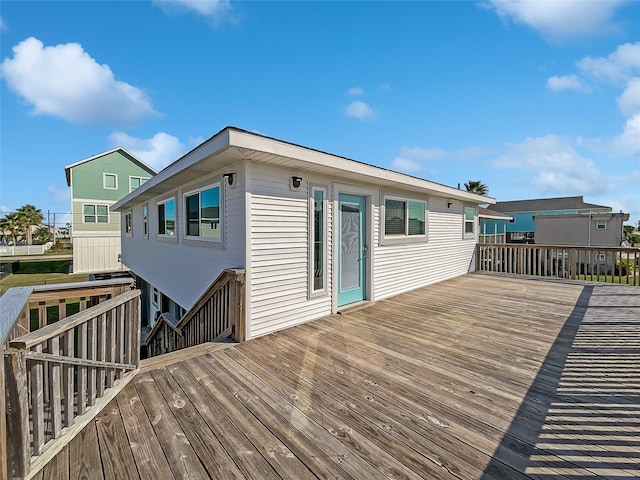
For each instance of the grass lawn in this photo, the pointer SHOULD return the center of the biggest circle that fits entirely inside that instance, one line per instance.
(41, 272)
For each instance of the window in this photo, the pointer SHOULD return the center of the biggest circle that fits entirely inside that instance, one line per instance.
(601, 224)
(167, 217)
(110, 181)
(154, 296)
(135, 182)
(128, 223)
(202, 213)
(404, 218)
(601, 257)
(317, 237)
(95, 213)
(469, 219)
(145, 221)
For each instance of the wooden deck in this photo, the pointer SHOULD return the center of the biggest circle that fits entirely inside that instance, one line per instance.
(480, 377)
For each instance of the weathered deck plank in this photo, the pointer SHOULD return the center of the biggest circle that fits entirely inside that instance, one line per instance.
(479, 377)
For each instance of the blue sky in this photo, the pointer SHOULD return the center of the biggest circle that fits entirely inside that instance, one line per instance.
(535, 99)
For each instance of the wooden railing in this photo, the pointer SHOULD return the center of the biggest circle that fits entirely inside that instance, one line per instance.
(218, 314)
(54, 379)
(600, 264)
(492, 238)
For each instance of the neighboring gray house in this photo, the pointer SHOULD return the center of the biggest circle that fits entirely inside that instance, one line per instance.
(315, 232)
(594, 229)
(521, 226)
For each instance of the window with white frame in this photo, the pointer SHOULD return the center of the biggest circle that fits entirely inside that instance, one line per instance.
(145, 221)
(469, 220)
(167, 217)
(135, 182)
(317, 240)
(110, 181)
(404, 218)
(601, 224)
(128, 223)
(95, 213)
(202, 213)
(155, 296)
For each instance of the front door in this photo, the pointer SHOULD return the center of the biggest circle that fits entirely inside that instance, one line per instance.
(351, 248)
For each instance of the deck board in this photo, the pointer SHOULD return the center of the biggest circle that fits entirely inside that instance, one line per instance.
(480, 377)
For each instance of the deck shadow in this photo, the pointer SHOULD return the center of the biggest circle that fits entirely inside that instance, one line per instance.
(580, 418)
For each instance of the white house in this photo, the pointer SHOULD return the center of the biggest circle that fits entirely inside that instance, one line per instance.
(315, 232)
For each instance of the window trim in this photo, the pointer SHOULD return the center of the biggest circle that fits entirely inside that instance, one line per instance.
(128, 223)
(96, 205)
(137, 176)
(175, 228)
(601, 222)
(145, 221)
(472, 234)
(155, 297)
(403, 238)
(199, 190)
(104, 180)
(313, 293)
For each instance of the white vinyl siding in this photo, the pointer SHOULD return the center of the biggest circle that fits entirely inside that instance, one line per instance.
(280, 252)
(184, 271)
(402, 267)
(96, 253)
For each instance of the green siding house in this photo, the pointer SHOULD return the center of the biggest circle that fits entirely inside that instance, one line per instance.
(97, 183)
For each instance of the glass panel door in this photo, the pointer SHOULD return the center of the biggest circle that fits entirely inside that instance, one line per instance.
(351, 259)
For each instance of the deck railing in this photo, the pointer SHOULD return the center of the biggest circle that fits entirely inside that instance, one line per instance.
(56, 378)
(601, 264)
(218, 314)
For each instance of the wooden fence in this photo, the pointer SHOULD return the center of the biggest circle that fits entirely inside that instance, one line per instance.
(55, 379)
(602, 264)
(218, 314)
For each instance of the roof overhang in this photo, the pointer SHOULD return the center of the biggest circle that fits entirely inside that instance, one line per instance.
(231, 145)
(67, 169)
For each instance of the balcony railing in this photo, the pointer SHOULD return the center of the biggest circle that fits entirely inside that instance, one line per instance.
(600, 264)
(218, 314)
(56, 377)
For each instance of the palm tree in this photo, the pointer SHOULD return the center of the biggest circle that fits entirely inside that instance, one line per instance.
(477, 187)
(29, 216)
(11, 224)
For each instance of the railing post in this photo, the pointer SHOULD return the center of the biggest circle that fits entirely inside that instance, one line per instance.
(19, 449)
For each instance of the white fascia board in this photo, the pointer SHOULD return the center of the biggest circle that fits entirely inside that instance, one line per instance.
(153, 187)
(315, 157)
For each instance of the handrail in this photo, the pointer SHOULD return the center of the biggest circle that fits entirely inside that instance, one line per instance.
(576, 262)
(59, 377)
(16, 306)
(218, 313)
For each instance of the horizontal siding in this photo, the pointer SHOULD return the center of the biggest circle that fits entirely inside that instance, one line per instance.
(402, 267)
(280, 252)
(183, 272)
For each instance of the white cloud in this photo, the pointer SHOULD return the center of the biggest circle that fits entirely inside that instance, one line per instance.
(629, 101)
(59, 195)
(407, 165)
(64, 81)
(555, 165)
(360, 110)
(628, 142)
(558, 20)
(4, 210)
(157, 151)
(619, 66)
(355, 91)
(3, 25)
(564, 82)
(217, 10)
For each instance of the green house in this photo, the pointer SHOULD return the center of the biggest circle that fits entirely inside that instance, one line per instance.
(97, 183)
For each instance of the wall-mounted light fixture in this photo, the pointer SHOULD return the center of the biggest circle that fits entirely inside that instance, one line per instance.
(295, 182)
(230, 178)
(449, 203)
